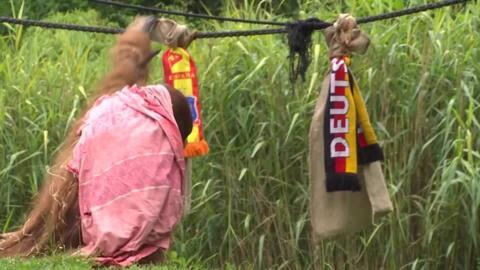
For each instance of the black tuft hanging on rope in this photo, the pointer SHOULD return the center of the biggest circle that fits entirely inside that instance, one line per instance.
(299, 42)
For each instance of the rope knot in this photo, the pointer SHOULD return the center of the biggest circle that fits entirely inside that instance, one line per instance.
(299, 43)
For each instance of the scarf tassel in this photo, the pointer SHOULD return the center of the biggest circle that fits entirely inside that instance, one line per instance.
(370, 153)
(343, 182)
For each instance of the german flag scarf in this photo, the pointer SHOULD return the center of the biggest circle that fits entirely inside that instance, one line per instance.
(348, 134)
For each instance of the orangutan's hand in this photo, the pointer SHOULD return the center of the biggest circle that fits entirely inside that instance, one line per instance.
(143, 24)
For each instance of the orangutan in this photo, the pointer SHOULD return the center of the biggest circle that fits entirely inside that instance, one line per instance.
(55, 216)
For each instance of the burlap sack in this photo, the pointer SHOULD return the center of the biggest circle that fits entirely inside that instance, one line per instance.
(170, 33)
(342, 212)
(165, 31)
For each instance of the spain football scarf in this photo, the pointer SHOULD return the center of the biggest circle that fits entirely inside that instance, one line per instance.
(180, 73)
(349, 137)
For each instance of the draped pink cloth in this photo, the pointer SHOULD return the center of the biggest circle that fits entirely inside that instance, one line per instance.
(130, 165)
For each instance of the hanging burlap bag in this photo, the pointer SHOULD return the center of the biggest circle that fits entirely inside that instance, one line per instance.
(342, 212)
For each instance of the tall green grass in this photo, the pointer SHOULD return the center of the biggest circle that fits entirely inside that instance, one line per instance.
(251, 193)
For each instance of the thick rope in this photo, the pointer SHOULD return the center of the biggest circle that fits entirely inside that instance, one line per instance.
(314, 25)
(154, 10)
(107, 30)
(367, 19)
(65, 26)
(409, 11)
(245, 33)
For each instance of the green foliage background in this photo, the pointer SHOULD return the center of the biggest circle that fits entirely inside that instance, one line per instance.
(251, 193)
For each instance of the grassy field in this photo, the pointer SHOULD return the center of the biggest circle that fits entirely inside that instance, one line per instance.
(63, 262)
(251, 193)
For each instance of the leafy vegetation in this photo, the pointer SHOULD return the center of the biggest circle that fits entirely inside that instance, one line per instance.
(251, 193)
(62, 262)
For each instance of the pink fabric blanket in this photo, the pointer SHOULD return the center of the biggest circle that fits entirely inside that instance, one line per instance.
(129, 163)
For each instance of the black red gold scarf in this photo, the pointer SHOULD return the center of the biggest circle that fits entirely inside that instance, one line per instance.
(349, 137)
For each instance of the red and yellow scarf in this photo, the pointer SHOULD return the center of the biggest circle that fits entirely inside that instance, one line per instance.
(180, 72)
(349, 137)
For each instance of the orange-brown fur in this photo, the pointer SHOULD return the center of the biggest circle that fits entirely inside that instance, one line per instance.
(55, 213)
